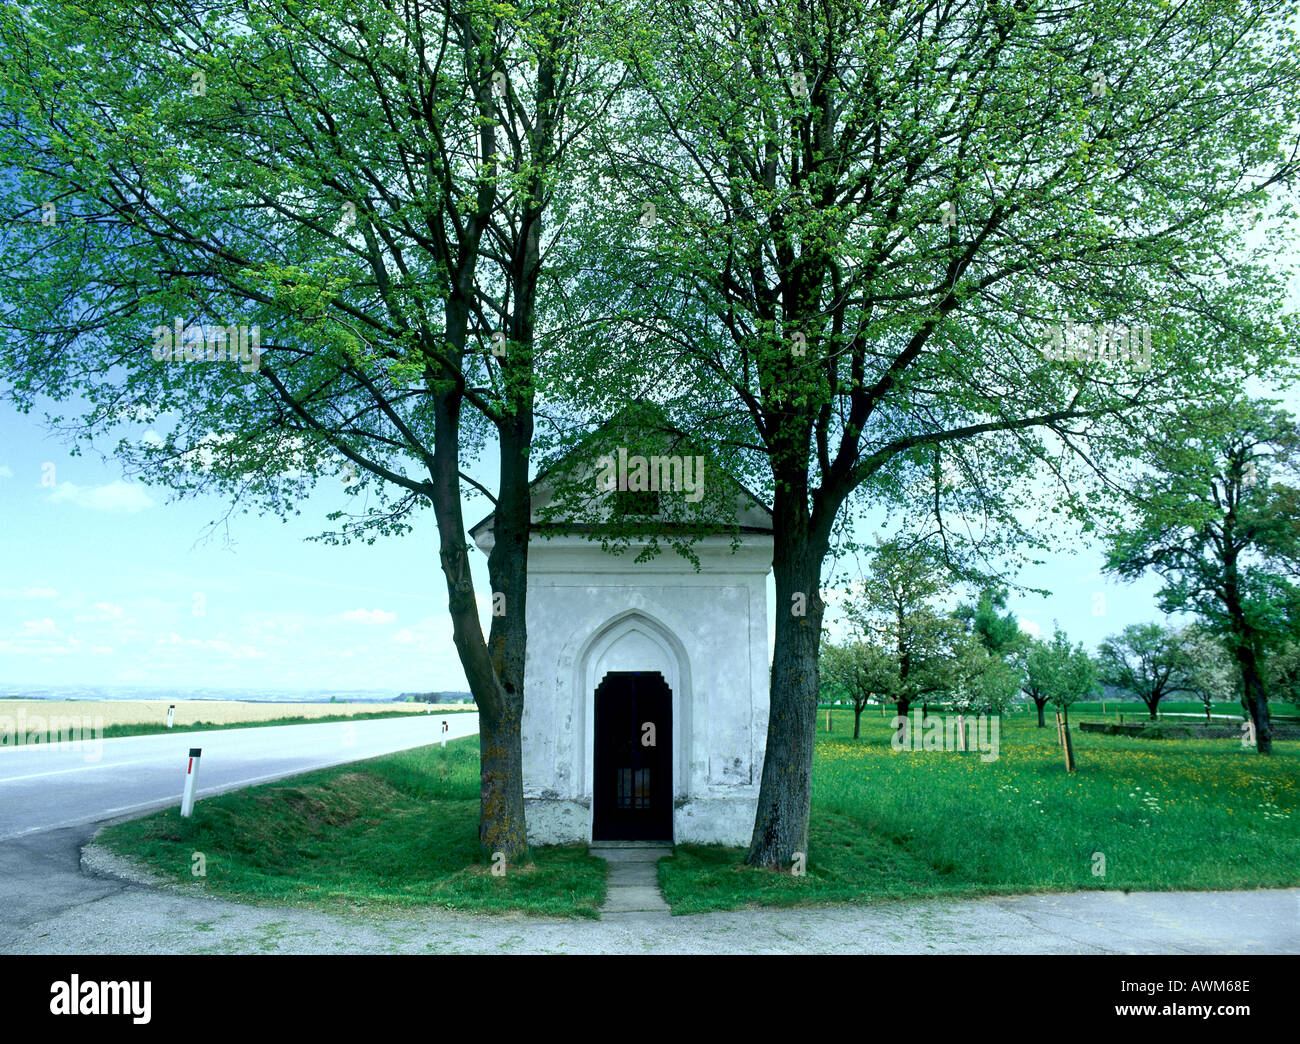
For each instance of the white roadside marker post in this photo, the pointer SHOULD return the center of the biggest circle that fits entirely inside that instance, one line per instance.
(171, 715)
(444, 733)
(191, 780)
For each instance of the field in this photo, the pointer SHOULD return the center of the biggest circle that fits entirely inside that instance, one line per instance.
(395, 831)
(143, 717)
(1162, 814)
(401, 830)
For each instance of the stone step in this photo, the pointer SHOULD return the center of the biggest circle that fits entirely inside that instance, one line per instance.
(633, 874)
(632, 881)
(631, 855)
(634, 899)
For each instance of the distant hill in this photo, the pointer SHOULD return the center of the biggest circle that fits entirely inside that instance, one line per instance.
(434, 697)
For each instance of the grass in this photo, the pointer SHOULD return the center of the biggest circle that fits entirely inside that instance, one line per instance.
(401, 830)
(398, 831)
(1166, 815)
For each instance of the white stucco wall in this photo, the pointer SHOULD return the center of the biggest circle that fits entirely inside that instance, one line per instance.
(591, 612)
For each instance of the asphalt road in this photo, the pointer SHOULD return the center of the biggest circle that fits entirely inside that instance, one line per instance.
(45, 788)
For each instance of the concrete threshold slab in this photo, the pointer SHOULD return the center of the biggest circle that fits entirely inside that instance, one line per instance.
(634, 899)
(632, 884)
(645, 854)
(633, 874)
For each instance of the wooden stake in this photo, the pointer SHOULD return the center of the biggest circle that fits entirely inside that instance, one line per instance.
(1063, 734)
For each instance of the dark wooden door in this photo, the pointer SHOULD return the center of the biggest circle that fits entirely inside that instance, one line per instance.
(633, 758)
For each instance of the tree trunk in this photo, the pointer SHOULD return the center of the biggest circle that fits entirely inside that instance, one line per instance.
(501, 801)
(903, 706)
(857, 720)
(502, 827)
(1256, 701)
(1243, 649)
(1040, 704)
(785, 793)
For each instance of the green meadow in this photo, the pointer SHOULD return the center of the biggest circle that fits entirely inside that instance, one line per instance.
(394, 831)
(400, 831)
(886, 824)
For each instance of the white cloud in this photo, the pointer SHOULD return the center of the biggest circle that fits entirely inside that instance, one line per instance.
(429, 635)
(103, 611)
(6, 471)
(1030, 628)
(40, 638)
(118, 497)
(27, 593)
(368, 616)
(219, 645)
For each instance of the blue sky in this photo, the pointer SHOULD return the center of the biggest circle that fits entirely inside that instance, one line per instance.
(108, 582)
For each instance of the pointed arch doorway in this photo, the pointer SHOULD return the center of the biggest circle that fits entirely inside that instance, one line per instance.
(632, 758)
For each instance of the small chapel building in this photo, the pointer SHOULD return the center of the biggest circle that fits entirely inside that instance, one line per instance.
(645, 682)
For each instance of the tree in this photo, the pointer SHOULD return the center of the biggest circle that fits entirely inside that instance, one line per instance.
(1054, 672)
(860, 670)
(895, 608)
(1215, 520)
(1000, 635)
(861, 218)
(1038, 667)
(1282, 673)
(365, 186)
(1211, 674)
(1148, 660)
(987, 683)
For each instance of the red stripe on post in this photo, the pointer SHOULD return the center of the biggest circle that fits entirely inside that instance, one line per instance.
(190, 767)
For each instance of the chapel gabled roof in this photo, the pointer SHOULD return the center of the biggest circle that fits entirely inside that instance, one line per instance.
(646, 422)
